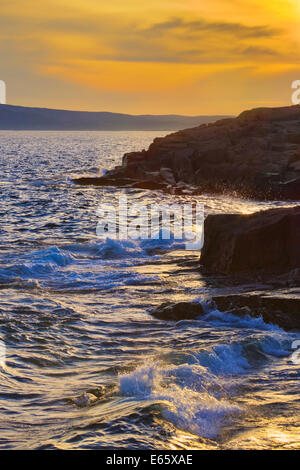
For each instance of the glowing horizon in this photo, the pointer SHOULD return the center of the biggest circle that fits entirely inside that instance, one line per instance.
(170, 57)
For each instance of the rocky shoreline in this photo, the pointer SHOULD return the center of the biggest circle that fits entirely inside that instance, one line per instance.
(261, 249)
(276, 307)
(255, 155)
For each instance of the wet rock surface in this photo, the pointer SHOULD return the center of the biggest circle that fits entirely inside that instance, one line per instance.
(255, 155)
(279, 307)
(262, 248)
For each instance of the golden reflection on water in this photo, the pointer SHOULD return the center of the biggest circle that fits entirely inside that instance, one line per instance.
(270, 437)
(183, 440)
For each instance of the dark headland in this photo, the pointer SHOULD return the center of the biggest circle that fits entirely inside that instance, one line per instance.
(24, 118)
(256, 155)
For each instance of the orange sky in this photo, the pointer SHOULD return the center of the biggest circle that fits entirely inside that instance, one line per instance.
(170, 56)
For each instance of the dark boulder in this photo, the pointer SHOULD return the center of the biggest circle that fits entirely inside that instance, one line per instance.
(178, 311)
(263, 242)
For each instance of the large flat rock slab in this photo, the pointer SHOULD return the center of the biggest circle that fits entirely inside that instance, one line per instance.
(263, 242)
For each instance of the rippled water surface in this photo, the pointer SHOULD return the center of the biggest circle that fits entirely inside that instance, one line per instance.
(86, 365)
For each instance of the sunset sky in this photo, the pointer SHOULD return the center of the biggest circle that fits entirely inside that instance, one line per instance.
(163, 56)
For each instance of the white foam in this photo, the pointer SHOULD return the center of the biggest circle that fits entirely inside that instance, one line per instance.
(52, 255)
(181, 392)
(114, 248)
(164, 240)
(224, 318)
(117, 249)
(224, 359)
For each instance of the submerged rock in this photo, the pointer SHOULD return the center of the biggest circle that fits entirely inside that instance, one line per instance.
(94, 395)
(85, 399)
(178, 311)
(263, 242)
(256, 155)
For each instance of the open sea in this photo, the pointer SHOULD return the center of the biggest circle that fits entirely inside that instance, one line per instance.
(83, 364)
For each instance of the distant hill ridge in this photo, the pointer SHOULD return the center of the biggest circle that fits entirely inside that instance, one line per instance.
(25, 118)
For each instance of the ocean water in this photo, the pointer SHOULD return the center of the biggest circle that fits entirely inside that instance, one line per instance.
(86, 366)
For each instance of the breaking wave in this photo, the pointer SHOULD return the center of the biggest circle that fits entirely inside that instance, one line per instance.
(198, 395)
